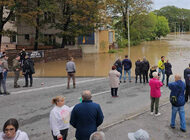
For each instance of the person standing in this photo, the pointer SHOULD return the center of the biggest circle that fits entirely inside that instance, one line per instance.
(59, 118)
(119, 67)
(168, 71)
(152, 69)
(187, 82)
(22, 55)
(71, 69)
(155, 93)
(114, 81)
(177, 99)
(138, 70)
(86, 117)
(28, 70)
(127, 68)
(145, 69)
(5, 71)
(16, 69)
(161, 68)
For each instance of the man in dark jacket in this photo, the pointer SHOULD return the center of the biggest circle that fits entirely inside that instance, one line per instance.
(86, 117)
(127, 68)
(177, 99)
(168, 71)
(187, 82)
(16, 69)
(145, 69)
(138, 70)
(28, 70)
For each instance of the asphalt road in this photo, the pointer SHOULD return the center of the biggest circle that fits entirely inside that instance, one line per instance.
(31, 106)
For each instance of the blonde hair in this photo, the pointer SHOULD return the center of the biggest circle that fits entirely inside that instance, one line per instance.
(56, 99)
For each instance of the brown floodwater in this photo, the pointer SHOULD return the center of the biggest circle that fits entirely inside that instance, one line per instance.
(176, 48)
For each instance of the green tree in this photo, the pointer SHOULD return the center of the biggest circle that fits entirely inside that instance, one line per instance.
(179, 19)
(162, 28)
(7, 11)
(78, 17)
(37, 14)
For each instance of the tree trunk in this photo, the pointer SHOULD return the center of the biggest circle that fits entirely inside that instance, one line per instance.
(63, 42)
(37, 29)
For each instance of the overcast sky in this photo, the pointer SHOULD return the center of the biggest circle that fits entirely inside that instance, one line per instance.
(157, 4)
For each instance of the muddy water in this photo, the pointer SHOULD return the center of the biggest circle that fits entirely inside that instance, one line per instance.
(176, 48)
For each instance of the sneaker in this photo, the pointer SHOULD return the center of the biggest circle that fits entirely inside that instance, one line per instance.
(158, 114)
(25, 86)
(173, 127)
(6, 93)
(151, 113)
(120, 81)
(183, 130)
(124, 81)
(130, 81)
(17, 86)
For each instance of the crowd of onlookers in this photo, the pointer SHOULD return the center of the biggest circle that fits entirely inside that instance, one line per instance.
(22, 62)
(87, 115)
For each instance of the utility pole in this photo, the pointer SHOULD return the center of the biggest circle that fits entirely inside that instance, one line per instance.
(129, 49)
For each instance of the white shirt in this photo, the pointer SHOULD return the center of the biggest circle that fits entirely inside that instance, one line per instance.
(20, 135)
(59, 119)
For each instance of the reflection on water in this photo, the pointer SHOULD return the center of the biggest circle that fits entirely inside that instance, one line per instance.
(175, 48)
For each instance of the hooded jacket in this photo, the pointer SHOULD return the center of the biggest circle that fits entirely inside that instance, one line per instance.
(155, 85)
(20, 135)
(127, 64)
(177, 89)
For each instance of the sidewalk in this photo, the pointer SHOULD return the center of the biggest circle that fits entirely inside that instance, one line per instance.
(157, 127)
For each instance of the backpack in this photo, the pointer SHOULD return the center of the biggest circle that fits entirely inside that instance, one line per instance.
(174, 99)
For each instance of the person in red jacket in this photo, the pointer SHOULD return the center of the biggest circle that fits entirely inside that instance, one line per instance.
(155, 93)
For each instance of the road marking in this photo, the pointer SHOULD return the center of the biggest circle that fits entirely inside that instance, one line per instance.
(54, 86)
(12, 81)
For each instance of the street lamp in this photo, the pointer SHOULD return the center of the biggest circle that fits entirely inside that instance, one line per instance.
(129, 51)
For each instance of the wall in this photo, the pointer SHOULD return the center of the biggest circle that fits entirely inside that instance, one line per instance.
(103, 41)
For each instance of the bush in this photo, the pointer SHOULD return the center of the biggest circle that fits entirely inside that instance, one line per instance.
(112, 51)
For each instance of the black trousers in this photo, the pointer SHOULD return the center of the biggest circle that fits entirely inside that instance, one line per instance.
(136, 78)
(145, 76)
(63, 133)
(26, 79)
(114, 91)
(187, 93)
(167, 79)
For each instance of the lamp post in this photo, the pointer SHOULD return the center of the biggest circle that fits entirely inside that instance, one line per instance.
(129, 51)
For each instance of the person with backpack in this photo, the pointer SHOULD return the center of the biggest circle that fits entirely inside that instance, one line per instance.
(177, 99)
(187, 82)
(28, 70)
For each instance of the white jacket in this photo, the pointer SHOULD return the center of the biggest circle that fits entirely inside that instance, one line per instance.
(59, 119)
(20, 135)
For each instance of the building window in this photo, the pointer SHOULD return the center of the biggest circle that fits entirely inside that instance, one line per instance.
(13, 38)
(90, 39)
(49, 17)
(26, 36)
(49, 39)
(110, 37)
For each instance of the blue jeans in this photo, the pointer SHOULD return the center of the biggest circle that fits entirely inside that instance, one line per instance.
(129, 74)
(163, 74)
(181, 112)
(120, 71)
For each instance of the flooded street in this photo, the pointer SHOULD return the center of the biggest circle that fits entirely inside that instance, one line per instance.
(176, 48)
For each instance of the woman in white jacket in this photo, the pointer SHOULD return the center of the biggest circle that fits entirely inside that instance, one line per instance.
(114, 81)
(11, 132)
(59, 118)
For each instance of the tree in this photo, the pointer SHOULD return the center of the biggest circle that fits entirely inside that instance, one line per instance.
(119, 8)
(78, 17)
(7, 10)
(179, 19)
